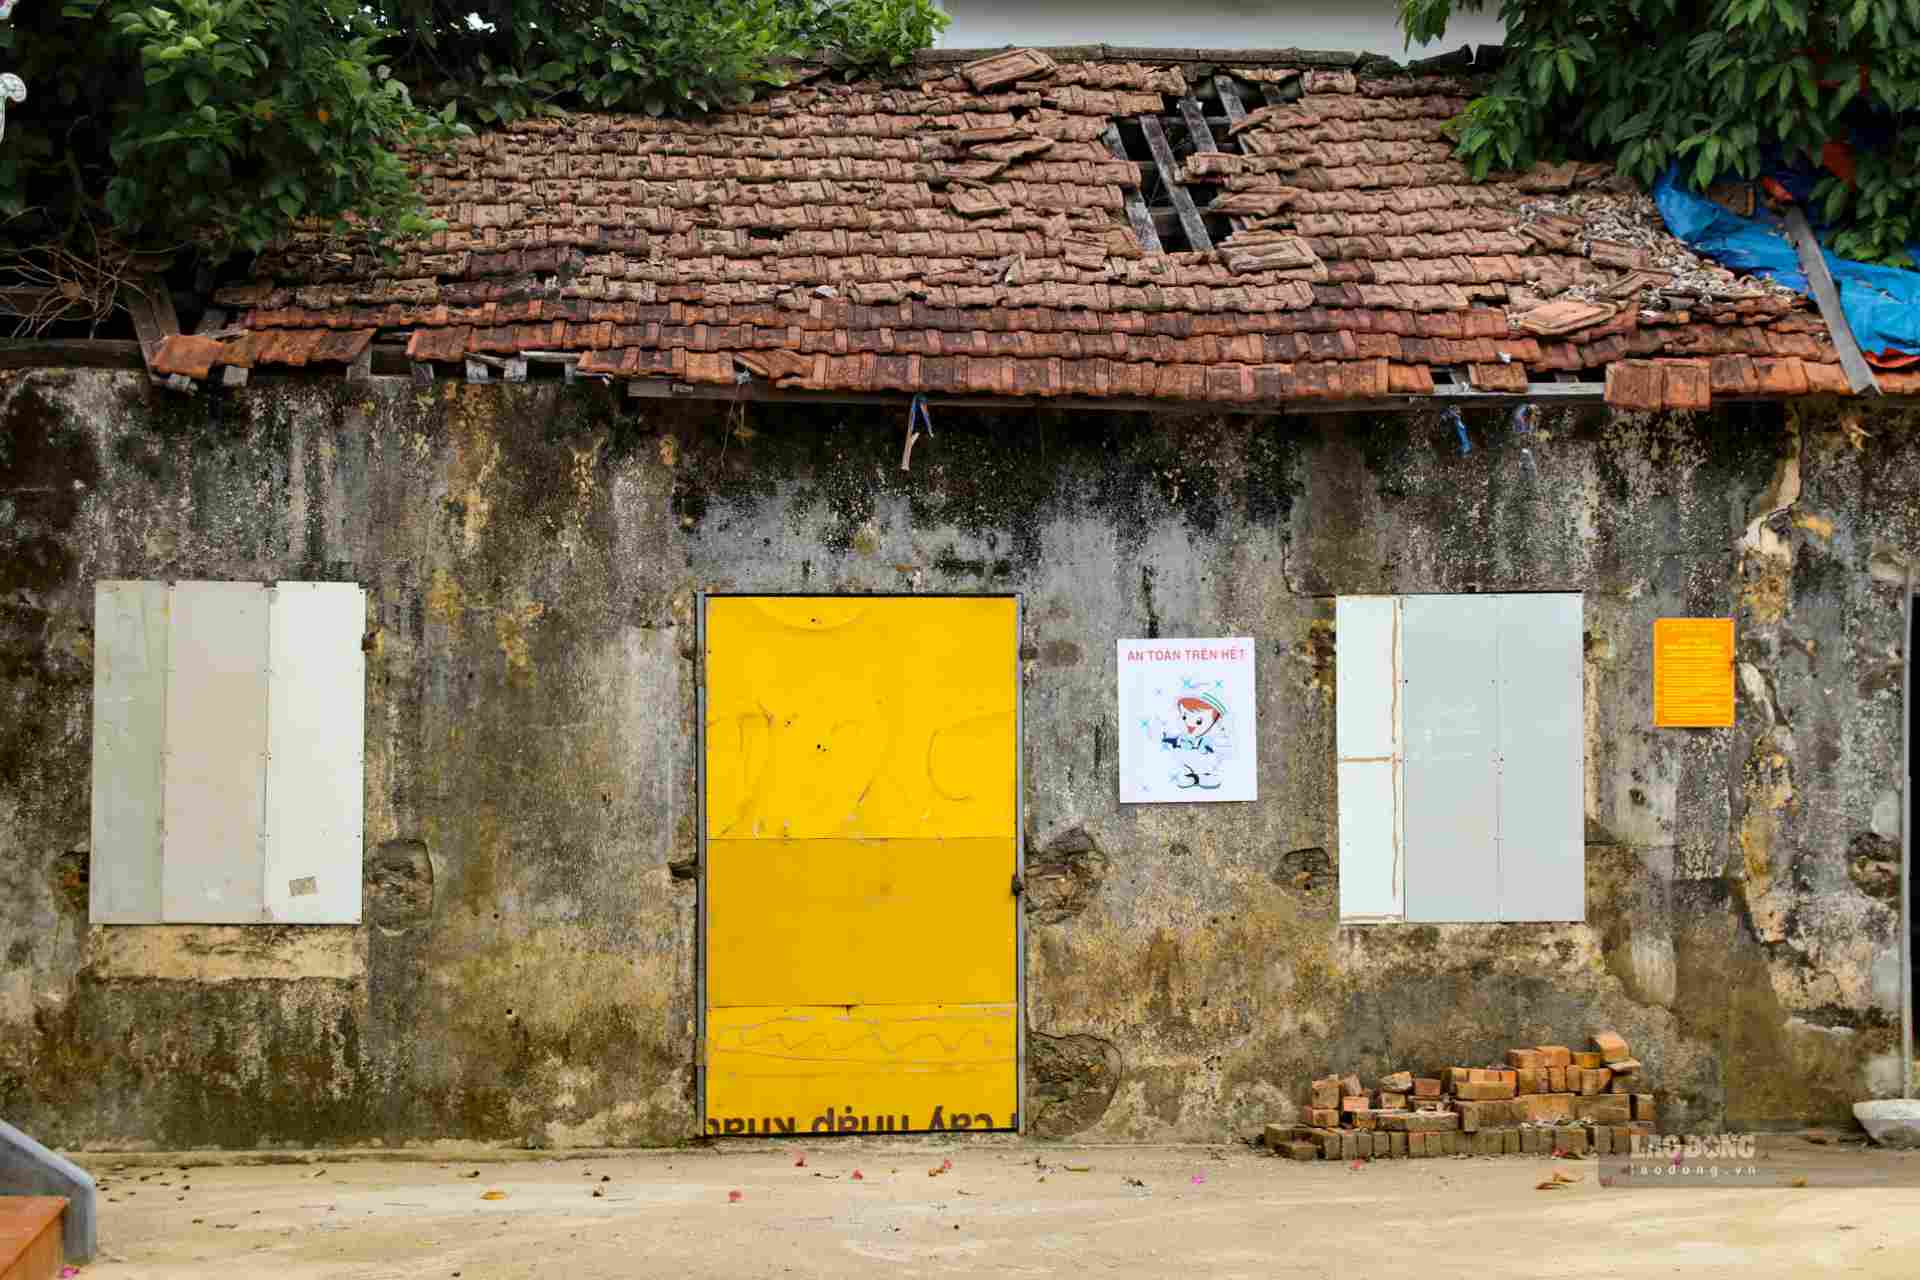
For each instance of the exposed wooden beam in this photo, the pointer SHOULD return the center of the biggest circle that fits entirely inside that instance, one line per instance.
(1229, 99)
(1557, 392)
(1142, 221)
(1190, 222)
(1196, 122)
(1813, 261)
(71, 353)
(1456, 394)
(154, 321)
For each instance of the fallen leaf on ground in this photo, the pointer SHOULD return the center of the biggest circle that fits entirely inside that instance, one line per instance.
(599, 1192)
(1548, 1185)
(858, 1176)
(734, 1197)
(1559, 1176)
(1079, 1168)
(1199, 1179)
(801, 1163)
(1799, 1182)
(493, 1195)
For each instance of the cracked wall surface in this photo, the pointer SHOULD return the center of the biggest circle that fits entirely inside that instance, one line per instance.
(532, 557)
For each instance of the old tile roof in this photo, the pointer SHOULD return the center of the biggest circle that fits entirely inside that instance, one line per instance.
(972, 233)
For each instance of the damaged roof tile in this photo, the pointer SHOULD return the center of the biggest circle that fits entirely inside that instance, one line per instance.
(976, 232)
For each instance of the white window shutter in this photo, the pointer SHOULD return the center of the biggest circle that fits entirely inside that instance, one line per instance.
(229, 726)
(1367, 737)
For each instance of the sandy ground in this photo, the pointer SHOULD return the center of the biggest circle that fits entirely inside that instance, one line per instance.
(1008, 1208)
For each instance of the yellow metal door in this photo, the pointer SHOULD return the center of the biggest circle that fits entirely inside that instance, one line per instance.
(861, 842)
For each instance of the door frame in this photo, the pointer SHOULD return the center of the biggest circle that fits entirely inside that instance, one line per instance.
(1019, 825)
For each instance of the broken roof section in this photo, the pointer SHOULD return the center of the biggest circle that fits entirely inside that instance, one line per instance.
(1019, 226)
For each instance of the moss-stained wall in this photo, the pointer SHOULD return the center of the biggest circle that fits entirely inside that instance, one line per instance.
(532, 555)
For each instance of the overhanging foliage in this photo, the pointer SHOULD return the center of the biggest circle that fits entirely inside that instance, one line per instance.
(219, 124)
(1716, 87)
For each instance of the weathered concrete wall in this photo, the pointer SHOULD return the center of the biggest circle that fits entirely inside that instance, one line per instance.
(531, 557)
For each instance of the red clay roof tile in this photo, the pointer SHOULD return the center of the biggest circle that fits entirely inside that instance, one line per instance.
(970, 233)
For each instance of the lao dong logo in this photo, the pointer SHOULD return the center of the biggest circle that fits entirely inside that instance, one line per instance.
(1694, 1146)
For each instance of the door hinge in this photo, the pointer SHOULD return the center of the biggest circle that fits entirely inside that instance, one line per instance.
(1018, 886)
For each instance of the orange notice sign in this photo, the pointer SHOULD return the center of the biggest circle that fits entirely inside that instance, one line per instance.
(1692, 673)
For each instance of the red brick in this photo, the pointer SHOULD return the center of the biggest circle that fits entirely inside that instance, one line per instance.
(1422, 1121)
(1585, 1058)
(1417, 1144)
(1602, 1110)
(1324, 1117)
(1479, 1090)
(1610, 1047)
(1523, 1059)
(1424, 1087)
(1277, 1136)
(1326, 1092)
(1300, 1151)
(1527, 1080)
(1557, 1078)
(1357, 1102)
(1571, 1139)
(1643, 1108)
(1540, 1107)
(1385, 1101)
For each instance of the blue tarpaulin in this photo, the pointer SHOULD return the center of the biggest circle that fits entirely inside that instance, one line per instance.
(1882, 303)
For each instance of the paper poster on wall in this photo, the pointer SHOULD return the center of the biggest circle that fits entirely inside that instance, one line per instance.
(1187, 729)
(1692, 673)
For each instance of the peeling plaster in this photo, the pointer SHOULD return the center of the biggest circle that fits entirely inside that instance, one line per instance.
(533, 556)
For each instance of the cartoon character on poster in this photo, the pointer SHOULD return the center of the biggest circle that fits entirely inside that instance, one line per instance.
(1200, 742)
(1186, 720)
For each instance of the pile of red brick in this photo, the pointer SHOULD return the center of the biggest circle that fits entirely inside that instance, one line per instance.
(1548, 1100)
